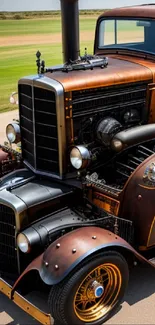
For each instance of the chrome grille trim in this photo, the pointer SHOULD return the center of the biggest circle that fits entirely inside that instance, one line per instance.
(53, 86)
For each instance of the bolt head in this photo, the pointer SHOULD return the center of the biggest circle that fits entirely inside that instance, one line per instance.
(46, 263)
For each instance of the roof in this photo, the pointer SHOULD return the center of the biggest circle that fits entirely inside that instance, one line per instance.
(141, 11)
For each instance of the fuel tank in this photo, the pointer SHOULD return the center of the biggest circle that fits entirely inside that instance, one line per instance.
(138, 203)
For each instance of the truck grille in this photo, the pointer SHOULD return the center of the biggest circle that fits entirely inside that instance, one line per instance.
(38, 122)
(113, 100)
(8, 252)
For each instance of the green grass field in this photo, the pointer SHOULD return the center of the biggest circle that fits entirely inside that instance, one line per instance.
(17, 61)
(39, 26)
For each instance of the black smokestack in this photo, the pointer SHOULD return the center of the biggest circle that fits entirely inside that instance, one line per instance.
(70, 30)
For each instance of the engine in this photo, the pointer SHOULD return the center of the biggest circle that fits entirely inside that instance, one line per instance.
(112, 178)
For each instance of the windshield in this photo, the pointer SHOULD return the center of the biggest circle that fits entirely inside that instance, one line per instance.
(133, 34)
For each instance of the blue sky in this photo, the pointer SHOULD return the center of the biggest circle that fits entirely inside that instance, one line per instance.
(27, 5)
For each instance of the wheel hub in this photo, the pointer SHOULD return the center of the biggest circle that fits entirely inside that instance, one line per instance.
(95, 290)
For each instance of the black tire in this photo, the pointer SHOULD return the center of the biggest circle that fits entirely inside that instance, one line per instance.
(62, 296)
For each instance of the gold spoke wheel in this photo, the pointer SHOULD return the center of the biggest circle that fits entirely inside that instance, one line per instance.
(87, 306)
(90, 293)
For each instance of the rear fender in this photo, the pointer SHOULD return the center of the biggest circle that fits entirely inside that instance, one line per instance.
(63, 255)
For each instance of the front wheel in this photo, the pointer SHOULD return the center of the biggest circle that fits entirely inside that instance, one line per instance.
(90, 294)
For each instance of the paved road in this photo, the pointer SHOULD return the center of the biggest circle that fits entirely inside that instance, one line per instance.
(138, 306)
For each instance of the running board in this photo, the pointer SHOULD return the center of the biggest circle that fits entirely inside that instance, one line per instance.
(24, 304)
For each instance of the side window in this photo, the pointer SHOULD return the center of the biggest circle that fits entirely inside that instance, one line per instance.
(107, 33)
(129, 32)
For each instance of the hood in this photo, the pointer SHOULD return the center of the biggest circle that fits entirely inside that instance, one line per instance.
(120, 70)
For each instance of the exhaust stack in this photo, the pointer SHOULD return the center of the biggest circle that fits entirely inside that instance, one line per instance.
(70, 30)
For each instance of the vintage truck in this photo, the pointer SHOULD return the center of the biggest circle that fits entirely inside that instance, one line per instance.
(82, 210)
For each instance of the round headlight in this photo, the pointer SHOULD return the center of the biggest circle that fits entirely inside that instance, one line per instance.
(13, 132)
(79, 157)
(23, 243)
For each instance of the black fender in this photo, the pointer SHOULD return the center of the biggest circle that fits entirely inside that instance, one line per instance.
(64, 254)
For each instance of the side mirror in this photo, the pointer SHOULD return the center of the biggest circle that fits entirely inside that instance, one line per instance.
(142, 23)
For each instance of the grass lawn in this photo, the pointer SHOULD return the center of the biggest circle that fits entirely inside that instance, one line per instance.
(40, 26)
(18, 61)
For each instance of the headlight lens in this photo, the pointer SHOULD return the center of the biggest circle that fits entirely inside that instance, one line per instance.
(23, 243)
(13, 132)
(79, 157)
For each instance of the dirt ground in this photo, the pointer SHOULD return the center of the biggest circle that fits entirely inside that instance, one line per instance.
(40, 39)
(57, 38)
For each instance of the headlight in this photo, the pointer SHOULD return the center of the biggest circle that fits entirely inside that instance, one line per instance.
(23, 243)
(13, 132)
(79, 157)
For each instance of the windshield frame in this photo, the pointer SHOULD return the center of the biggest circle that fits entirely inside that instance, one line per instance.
(117, 47)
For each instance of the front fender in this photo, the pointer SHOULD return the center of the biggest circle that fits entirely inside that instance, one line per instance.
(63, 255)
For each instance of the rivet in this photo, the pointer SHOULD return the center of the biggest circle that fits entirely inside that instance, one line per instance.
(135, 263)
(116, 237)
(58, 245)
(139, 197)
(74, 250)
(46, 263)
(56, 267)
(94, 237)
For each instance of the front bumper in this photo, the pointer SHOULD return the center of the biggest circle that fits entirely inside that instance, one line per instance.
(24, 304)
